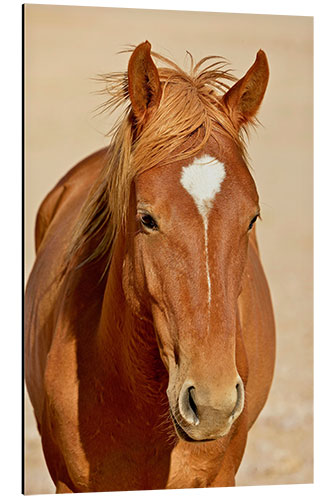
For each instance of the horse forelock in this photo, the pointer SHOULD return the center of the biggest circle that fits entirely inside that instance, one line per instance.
(190, 108)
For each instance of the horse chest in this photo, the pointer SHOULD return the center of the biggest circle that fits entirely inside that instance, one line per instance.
(129, 467)
(122, 454)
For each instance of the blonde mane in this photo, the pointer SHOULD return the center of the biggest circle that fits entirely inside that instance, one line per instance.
(190, 107)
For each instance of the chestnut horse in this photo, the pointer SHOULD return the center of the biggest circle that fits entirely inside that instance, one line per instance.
(150, 344)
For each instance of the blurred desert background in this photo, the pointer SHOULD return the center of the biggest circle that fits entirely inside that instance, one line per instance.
(65, 49)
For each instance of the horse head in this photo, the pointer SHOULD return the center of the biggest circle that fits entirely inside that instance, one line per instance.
(191, 212)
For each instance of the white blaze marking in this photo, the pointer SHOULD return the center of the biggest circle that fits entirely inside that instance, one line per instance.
(202, 180)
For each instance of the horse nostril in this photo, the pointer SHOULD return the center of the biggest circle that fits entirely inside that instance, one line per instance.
(187, 406)
(191, 401)
(240, 399)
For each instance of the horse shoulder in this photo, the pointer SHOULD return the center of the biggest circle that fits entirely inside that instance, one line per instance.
(63, 413)
(62, 445)
(53, 228)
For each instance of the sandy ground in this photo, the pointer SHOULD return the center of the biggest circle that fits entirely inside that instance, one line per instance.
(68, 46)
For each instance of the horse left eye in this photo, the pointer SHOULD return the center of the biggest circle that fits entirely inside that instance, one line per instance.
(148, 222)
(252, 222)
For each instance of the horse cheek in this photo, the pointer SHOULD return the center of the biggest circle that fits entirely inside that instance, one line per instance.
(133, 285)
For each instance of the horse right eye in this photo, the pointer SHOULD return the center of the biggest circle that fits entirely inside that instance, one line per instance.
(149, 222)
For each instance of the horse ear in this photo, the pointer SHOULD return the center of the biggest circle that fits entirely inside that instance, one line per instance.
(144, 85)
(244, 98)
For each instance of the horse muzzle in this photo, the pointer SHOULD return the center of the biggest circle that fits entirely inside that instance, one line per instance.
(200, 415)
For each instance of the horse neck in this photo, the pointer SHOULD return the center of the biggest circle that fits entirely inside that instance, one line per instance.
(127, 347)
